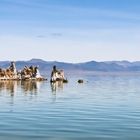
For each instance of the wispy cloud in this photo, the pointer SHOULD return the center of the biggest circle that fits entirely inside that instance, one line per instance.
(41, 36)
(56, 34)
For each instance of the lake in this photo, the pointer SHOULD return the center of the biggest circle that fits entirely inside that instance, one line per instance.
(104, 107)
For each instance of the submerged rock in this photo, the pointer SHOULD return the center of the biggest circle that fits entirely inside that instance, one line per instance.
(65, 81)
(80, 81)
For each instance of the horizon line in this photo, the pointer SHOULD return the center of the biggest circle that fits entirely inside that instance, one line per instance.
(72, 62)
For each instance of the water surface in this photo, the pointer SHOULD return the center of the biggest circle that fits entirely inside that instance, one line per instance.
(104, 108)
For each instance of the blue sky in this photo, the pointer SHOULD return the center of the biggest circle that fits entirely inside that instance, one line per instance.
(70, 30)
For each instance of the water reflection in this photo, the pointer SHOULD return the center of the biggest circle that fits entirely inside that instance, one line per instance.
(20, 88)
(56, 86)
(9, 86)
(30, 86)
(13, 86)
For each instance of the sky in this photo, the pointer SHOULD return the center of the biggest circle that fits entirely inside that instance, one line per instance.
(70, 30)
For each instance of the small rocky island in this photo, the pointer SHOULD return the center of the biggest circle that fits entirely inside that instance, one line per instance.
(27, 73)
(30, 73)
(58, 75)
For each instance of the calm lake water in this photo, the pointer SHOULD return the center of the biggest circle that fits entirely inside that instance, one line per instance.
(103, 108)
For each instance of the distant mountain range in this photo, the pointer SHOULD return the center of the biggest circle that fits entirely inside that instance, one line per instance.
(107, 66)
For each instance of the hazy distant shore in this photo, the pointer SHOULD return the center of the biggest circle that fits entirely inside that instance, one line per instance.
(91, 67)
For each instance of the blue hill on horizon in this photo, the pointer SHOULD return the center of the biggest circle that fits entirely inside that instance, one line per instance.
(106, 66)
